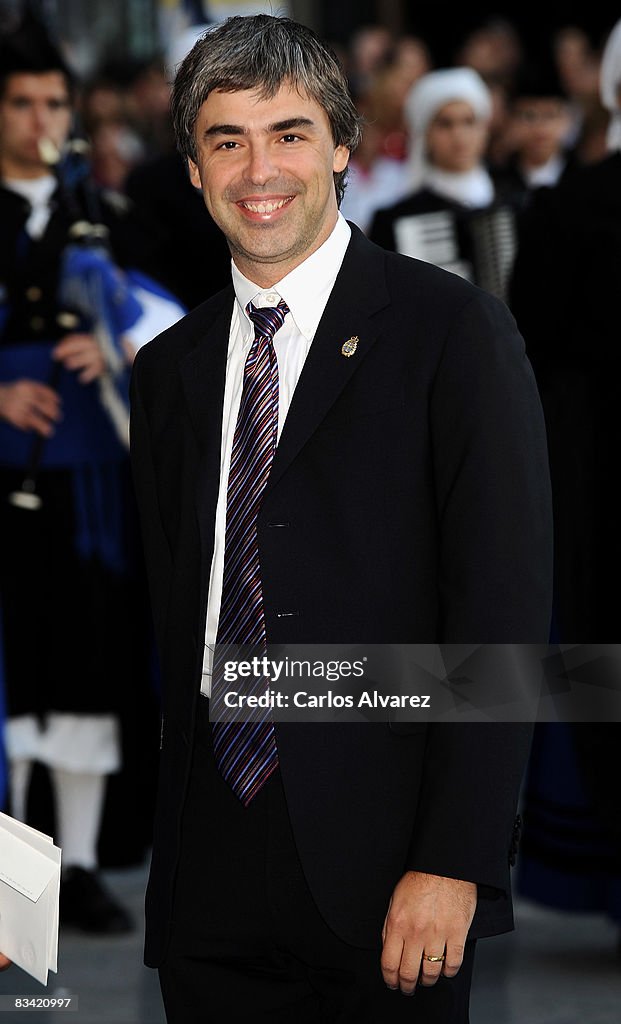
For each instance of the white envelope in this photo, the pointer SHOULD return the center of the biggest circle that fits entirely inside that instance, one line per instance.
(29, 895)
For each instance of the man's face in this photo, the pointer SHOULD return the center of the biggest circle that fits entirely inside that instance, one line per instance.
(266, 169)
(540, 126)
(32, 108)
(456, 137)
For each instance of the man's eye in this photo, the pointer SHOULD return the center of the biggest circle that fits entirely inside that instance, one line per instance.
(291, 138)
(229, 144)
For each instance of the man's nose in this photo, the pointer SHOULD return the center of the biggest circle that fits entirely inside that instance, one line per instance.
(41, 117)
(262, 166)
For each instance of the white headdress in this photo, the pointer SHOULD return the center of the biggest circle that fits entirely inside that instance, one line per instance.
(427, 96)
(610, 84)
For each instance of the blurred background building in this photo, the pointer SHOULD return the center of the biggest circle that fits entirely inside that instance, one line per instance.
(138, 29)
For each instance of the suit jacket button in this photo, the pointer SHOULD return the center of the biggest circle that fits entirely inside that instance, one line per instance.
(515, 840)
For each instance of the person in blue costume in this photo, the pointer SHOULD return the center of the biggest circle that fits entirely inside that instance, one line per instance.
(74, 308)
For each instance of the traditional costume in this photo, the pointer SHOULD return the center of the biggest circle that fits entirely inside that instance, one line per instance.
(75, 625)
(455, 220)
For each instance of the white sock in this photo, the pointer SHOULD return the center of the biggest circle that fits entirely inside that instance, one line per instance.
(79, 798)
(19, 781)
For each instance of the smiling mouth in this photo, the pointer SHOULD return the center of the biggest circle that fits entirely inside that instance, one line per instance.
(266, 205)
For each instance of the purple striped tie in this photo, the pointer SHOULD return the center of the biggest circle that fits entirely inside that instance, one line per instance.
(246, 751)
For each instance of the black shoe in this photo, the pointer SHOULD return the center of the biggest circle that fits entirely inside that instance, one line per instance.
(87, 904)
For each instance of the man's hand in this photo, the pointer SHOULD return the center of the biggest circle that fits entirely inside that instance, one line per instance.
(80, 352)
(30, 405)
(430, 915)
(4, 962)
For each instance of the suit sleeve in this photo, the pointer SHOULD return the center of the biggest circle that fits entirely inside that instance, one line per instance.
(494, 507)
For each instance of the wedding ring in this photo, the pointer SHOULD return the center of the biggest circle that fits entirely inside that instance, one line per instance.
(433, 959)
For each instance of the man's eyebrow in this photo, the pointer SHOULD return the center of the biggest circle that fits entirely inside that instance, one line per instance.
(291, 122)
(225, 129)
(278, 126)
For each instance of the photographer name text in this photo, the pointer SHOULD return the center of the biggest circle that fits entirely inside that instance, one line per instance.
(302, 699)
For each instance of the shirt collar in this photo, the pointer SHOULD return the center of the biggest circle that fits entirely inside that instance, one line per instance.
(306, 289)
(546, 174)
(35, 190)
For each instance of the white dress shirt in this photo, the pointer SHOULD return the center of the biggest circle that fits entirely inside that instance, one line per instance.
(38, 192)
(547, 175)
(306, 291)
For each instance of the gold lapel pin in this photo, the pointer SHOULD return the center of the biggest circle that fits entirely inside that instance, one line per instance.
(350, 346)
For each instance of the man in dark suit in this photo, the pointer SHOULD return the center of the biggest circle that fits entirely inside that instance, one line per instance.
(344, 447)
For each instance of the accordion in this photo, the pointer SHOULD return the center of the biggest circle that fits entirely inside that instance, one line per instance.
(478, 245)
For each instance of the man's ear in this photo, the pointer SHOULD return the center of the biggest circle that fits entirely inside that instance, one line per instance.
(341, 159)
(195, 177)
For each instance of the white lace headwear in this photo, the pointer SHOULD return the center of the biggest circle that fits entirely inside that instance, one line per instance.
(427, 96)
(610, 86)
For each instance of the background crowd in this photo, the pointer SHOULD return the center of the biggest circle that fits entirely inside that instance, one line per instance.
(502, 165)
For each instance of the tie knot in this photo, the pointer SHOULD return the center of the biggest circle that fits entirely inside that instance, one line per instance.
(267, 319)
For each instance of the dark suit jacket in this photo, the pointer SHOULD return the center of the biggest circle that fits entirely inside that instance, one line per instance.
(408, 502)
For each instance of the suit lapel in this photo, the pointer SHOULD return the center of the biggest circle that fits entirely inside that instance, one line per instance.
(360, 290)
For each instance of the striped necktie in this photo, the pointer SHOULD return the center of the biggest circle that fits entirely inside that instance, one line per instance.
(246, 752)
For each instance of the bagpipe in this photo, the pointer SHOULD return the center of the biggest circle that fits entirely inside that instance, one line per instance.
(96, 297)
(91, 285)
